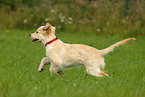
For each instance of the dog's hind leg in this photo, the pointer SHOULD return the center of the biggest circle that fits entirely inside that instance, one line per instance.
(103, 73)
(102, 66)
(95, 71)
(42, 64)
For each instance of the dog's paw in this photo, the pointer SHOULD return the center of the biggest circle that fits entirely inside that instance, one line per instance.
(40, 70)
(60, 72)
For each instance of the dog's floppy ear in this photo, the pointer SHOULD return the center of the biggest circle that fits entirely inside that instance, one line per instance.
(47, 26)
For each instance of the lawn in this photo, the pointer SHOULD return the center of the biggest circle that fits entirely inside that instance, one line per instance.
(19, 61)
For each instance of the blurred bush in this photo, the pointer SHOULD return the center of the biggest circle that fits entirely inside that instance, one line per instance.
(103, 17)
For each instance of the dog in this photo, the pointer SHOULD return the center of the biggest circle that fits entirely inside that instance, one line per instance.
(62, 55)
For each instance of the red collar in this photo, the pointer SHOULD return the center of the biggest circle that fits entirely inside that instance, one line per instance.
(51, 41)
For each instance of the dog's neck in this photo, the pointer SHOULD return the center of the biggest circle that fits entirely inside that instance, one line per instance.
(49, 40)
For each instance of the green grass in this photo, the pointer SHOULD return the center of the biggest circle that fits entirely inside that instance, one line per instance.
(19, 61)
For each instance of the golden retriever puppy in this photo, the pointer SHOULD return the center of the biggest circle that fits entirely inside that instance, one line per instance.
(62, 55)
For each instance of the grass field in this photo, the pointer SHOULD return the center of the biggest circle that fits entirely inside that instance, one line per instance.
(19, 61)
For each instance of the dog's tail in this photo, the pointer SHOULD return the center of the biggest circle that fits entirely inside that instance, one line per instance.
(111, 48)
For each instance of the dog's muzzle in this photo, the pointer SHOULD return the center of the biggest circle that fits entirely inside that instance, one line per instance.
(34, 40)
(29, 35)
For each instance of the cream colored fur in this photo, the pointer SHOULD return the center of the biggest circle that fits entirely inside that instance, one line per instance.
(62, 55)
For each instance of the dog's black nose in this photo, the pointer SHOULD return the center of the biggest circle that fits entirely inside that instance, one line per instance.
(29, 35)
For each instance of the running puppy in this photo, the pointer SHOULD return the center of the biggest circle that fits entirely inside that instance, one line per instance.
(62, 55)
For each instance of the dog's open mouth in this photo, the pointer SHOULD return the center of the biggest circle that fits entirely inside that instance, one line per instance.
(35, 40)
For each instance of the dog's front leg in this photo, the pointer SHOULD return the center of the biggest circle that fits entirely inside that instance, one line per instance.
(43, 62)
(54, 69)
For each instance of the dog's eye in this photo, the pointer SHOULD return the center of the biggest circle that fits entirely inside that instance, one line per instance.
(36, 31)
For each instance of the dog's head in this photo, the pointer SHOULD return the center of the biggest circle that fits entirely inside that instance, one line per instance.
(42, 33)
